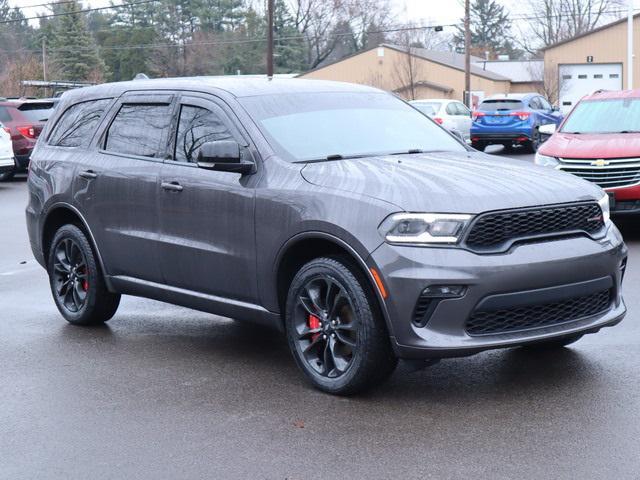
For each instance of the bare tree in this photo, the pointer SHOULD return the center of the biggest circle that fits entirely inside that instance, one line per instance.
(407, 71)
(548, 83)
(316, 20)
(557, 20)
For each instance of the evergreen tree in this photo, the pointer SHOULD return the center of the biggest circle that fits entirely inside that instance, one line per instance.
(289, 48)
(74, 52)
(490, 29)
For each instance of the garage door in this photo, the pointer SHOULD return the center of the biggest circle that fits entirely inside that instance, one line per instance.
(576, 81)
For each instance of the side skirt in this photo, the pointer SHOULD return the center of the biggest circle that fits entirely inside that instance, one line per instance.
(225, 307)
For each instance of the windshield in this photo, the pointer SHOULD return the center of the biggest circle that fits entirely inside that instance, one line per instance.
(604, 116)
(428, 108)
(36, 112)
(314, 126)
(489, 105)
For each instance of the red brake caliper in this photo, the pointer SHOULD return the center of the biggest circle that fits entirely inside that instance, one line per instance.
(314, 323)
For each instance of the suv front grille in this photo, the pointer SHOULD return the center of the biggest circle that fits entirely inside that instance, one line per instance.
(537, 316)
(611, 173)
(496, 230)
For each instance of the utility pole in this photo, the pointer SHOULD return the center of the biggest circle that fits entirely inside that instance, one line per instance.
(467, 53)
(270, 39)
(630, 44)
(44, 62)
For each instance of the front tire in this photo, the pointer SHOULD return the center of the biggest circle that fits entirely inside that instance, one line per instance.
(76, 281)
(334, 328)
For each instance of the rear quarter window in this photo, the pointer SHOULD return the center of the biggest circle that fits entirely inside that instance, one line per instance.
(78, 123)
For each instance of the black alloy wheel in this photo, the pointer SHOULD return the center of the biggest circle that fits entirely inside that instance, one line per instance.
(70, 275)
(326, 326)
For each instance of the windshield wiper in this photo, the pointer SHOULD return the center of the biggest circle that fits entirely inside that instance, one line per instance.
(332, 157)
(408, 152)
(629, 131)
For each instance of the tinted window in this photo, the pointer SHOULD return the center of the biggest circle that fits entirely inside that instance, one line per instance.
(4, 115)
(535, 104)
(313, 126)
(604, 116)
(462, 110)
(140, 129)
(36, 112)
(489, 105)
(197, 125)
(78, 123)
(545, 104)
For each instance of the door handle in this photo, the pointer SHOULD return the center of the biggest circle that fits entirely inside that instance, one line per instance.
(88, 174)
(172, 186)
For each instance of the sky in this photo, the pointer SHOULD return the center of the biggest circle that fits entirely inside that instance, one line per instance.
(416, 11)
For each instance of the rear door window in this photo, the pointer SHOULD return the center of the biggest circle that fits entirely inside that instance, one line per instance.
(140, 129)
(506, 104)
(78, 123)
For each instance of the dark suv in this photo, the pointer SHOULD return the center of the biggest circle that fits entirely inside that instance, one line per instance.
(335, 212)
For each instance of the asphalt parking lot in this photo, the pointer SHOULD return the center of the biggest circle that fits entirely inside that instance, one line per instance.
(164, 392)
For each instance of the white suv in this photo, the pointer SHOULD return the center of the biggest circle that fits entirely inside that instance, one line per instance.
(451, 114)
(7, 162)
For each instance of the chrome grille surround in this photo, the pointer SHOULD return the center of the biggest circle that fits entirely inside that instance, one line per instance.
(605, 172)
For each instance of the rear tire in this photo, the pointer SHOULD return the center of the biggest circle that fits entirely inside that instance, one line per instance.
(535, 142)
(555, 343)
(77, 283)
(480, 146)
(7, 176)
(334, 328)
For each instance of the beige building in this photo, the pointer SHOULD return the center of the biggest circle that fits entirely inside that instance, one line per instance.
(595, 60)
(419, 74)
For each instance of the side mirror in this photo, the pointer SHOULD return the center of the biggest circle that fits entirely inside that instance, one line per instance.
(548, 129)
(223, 156)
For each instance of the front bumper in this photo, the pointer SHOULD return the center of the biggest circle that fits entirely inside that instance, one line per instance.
(562, 263)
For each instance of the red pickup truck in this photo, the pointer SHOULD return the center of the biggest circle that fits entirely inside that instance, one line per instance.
(600, 142)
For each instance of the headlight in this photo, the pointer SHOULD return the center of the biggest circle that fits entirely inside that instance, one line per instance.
(424, 228)
(604, 205)
(545, 161)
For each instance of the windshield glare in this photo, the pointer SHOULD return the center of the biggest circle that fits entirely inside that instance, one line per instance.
(604, 116)
(313, 126)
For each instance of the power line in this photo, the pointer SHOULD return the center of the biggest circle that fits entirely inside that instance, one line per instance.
(74, 12)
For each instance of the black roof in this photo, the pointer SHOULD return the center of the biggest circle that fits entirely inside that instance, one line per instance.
(237, 86)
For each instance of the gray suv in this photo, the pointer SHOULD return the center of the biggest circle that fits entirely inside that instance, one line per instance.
(335, 212)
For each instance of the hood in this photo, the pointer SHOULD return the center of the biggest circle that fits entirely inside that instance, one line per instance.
(448, 182)
(604, 145)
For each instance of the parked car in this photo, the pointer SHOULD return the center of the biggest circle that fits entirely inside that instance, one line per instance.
(451, 114)
(7, 163)
(24, 119)
(600, 142)
(512, 120)
(320, 208)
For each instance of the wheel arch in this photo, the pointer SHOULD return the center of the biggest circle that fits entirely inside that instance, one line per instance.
(306, 246)
(61, 214)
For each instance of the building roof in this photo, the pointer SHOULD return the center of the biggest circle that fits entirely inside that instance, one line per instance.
(449, 59)
(595, 30)
(237, 86)
(424, 83)
(518, 71)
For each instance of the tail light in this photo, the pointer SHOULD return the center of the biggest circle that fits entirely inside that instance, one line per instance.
(438, 120)
(476, 115)
(27, 131)
(521, 115)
